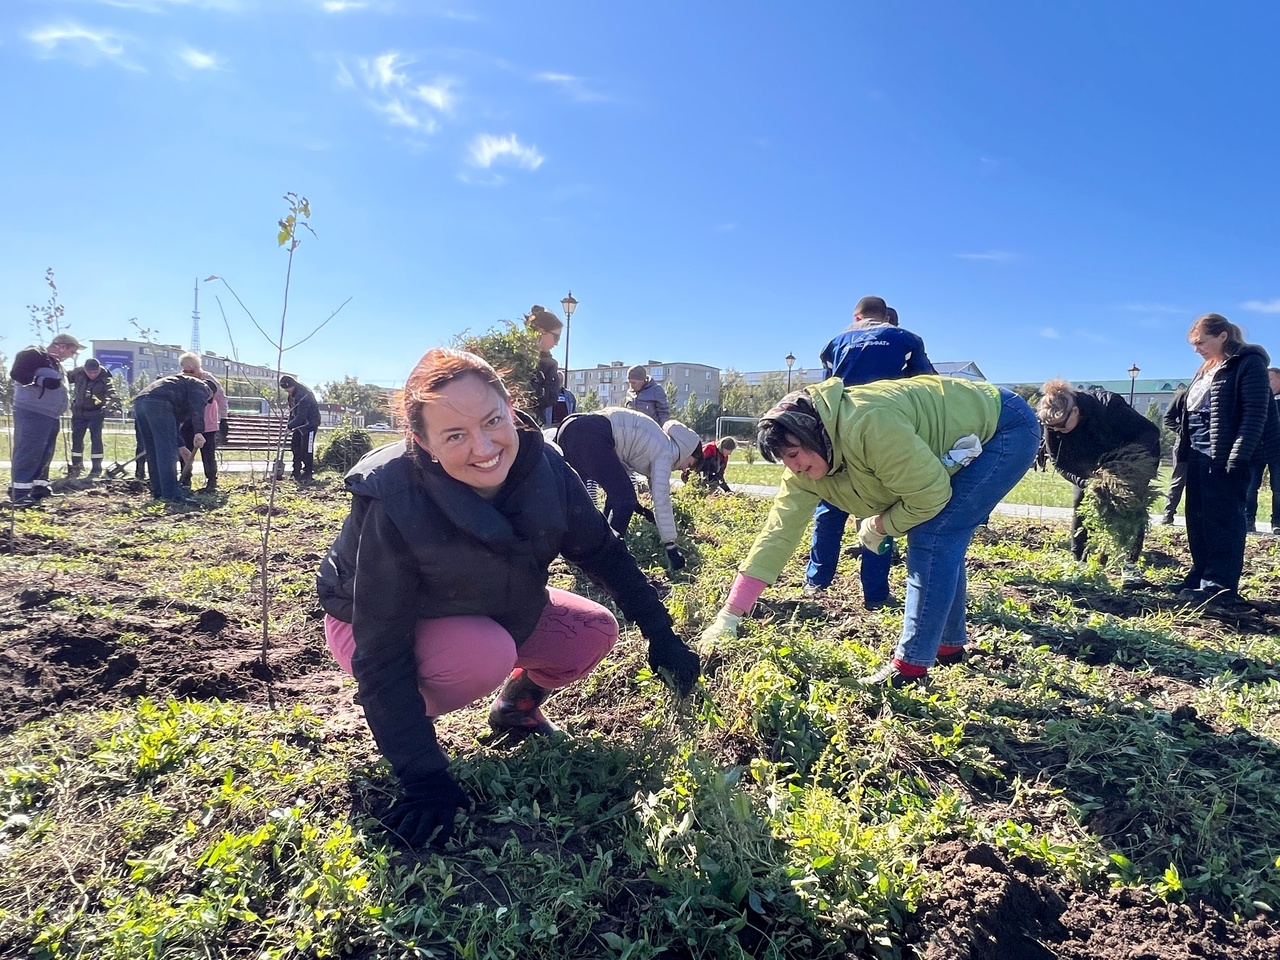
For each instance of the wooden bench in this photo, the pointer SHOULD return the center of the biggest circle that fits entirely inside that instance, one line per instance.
(246, 432)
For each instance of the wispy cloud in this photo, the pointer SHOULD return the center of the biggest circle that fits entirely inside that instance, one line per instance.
(396, 95)
(487, 149)
(1263, 306)
(1049, 333)
(575, 87)
(991, 256)
(81, 44)
(342, 6)
(198, 60)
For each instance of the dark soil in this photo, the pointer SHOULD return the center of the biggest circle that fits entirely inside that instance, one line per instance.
(988, 908)
(60, 655)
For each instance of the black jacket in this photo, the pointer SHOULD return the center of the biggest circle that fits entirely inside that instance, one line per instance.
(1106, 424)
(420, 545)
(1244, 429)
(304, 412)
(545, 383)
(92, 396)
(186, 396)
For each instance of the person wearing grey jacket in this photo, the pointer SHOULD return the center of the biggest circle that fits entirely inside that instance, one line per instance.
(40, 398)
(608, 445)
(646, 396)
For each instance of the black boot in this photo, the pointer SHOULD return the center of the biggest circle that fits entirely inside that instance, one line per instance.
(515, 712)
(74, 469)
(96, 469)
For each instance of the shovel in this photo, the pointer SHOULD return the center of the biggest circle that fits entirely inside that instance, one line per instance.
(117, 470)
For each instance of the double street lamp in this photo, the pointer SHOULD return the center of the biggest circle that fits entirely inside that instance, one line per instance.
(791, 359)
(1133, 381)
(569, 305)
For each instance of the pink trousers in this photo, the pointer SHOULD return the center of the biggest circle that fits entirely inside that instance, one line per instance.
(461, 659)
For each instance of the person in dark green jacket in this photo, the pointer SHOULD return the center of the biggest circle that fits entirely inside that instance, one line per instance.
(435, 591)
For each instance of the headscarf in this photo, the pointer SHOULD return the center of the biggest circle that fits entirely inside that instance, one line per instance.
(795, 414)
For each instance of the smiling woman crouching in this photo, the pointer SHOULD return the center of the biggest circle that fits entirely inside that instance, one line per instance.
(435, 590)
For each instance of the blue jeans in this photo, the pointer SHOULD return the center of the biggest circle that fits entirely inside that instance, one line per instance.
(824, 554)
(35, 439)
(157, 429)
(934, 612)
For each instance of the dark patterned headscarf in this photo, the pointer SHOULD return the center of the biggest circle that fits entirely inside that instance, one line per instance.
(793, 418)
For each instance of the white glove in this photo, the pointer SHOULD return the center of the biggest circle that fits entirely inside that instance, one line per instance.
(872, 539)
(964, 452)
(724, 626)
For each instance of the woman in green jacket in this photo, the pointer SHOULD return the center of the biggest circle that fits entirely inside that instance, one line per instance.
(928, 457)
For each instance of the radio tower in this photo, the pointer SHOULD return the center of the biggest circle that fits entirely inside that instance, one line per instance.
(195, 321)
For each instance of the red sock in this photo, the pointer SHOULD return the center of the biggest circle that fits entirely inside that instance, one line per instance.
(909, 669)
(944, 650)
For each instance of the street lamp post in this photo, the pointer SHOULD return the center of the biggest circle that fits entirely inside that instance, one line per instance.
(791, 359)
(1133, 381)
(569, 305)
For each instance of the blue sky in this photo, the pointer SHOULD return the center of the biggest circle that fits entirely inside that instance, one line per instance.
(1043, 188)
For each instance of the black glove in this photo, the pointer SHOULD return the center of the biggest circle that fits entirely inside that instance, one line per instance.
(646, 513)
(674, 662)
(49, 383)
(224, 429)
(674, 557)
(425, 813)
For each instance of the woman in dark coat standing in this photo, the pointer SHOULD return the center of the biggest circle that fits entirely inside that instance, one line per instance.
(435, 591)
(1226, 425)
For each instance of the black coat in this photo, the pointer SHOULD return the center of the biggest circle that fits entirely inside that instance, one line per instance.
(304, 411)
(185, 395)
(92, 396)
(1106, 424)
(1244, 429)
(426, 546)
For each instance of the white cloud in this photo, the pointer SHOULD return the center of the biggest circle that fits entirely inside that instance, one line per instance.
(991, 256)
(342, 6)
(400, 115)
(380, 73)
(396, 95)
(1263, 306)
(486, 150)
(575, 87)
(1050, 334)
(197, 60)
(80, 44)
(438, 96)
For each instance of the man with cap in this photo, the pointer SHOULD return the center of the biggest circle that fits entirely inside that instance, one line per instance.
(93, 396)
(872, 348)
(646, 396)
(39, 399)
(304, 424)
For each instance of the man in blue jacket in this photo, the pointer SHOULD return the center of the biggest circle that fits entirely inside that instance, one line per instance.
(873, 348)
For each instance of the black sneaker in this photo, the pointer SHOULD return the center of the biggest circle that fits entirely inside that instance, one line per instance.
(953, 657)
(890, 676)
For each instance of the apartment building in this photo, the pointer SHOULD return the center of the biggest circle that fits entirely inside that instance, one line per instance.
(608, 381)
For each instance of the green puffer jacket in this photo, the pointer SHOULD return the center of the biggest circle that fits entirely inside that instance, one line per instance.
(888, 439)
